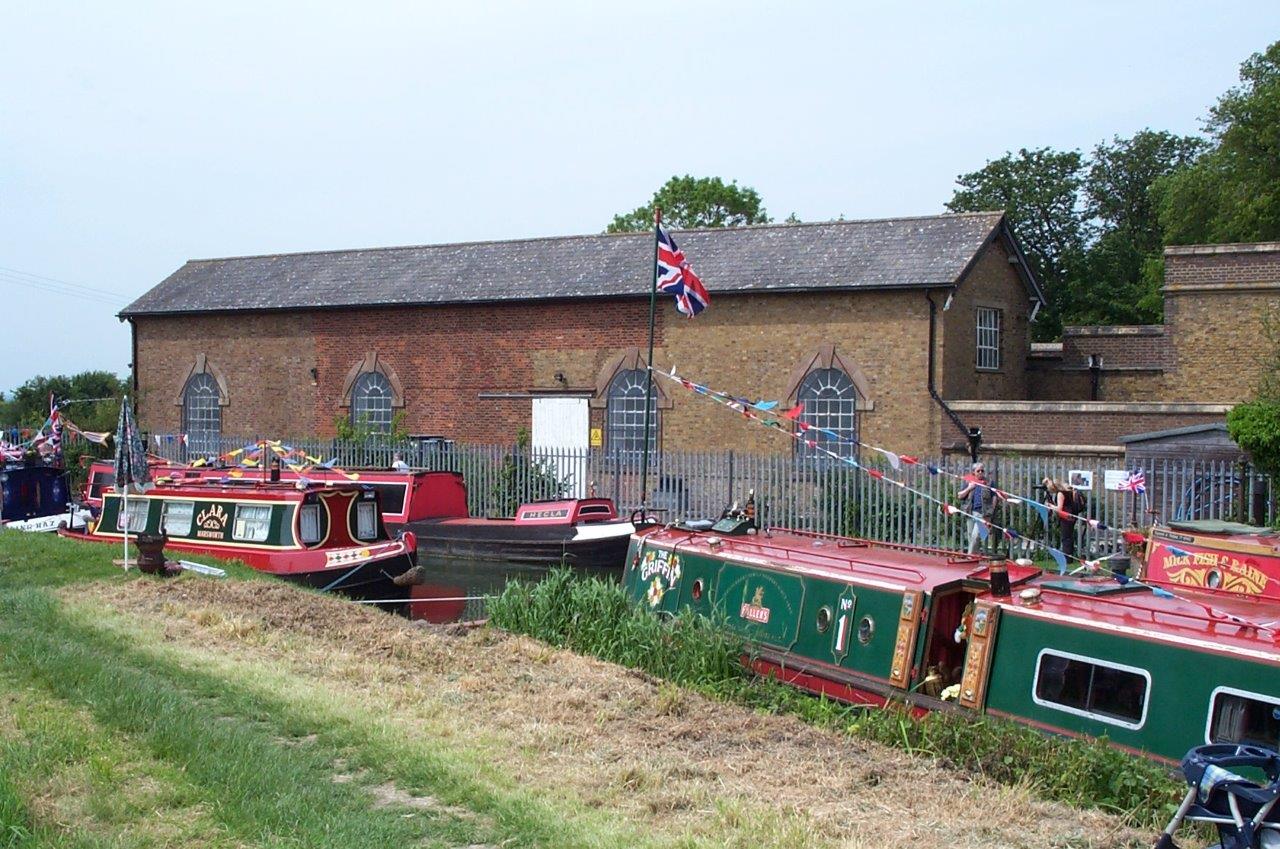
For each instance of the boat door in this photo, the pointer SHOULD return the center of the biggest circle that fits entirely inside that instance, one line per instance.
(981, 631)
(561, 429)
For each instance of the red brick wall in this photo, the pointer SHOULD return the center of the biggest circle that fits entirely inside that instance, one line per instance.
(461, 351)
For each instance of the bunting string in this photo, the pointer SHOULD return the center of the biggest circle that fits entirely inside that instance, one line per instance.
(752, 411)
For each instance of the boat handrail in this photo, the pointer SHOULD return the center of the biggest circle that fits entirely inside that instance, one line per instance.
(851, 542)
(847, 563)
(1207, 615)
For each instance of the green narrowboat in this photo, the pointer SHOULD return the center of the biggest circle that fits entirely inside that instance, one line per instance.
(869, 622)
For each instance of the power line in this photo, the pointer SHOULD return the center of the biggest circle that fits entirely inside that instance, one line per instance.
(116, 301)
(18, 271)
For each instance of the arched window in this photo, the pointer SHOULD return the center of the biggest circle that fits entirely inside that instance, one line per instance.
(202, 415)
(624, 414)
(830, 401)
(371, 400)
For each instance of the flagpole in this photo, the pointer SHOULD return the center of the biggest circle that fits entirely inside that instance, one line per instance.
(648, 372)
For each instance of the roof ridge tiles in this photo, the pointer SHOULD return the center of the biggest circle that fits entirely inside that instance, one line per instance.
(632, 233)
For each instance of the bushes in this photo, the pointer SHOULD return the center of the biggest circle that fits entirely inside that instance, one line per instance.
(595, 617)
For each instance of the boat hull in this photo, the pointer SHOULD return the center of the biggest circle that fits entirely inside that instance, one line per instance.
(600, 546)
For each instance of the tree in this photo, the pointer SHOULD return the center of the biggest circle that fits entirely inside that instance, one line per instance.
(1039, 190)
(689, 202)
(91, 399)
(1232, 193)
(1124, 267)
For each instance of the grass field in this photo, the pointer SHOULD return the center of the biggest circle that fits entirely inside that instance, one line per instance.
(241, 712)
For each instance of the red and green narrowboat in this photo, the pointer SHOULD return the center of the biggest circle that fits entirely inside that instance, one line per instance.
(1222, 558)
(403, 496)
(869, 622)
(330, 537)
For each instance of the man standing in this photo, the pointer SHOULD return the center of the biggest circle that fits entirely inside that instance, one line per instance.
(976, 497)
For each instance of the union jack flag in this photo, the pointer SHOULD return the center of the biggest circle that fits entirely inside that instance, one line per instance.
(1134, 481)
(676, 277)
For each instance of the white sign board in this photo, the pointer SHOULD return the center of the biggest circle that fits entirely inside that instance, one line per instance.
(1113, 478)
(1080, 479)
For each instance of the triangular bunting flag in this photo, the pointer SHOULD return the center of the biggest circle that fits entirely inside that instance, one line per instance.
(794, 413)
(1059, 558)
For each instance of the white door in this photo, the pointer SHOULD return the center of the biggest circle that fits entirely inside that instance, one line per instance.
(561, 430)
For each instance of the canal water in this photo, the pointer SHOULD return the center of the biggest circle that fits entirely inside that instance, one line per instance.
(454, 589)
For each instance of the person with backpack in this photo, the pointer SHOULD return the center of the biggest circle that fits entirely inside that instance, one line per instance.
(1070, 504)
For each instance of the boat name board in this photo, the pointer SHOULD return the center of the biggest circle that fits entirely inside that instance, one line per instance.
(661, 570)
(212, 522)
(1207, 569)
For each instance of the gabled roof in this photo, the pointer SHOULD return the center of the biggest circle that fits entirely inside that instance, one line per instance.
(890, 253)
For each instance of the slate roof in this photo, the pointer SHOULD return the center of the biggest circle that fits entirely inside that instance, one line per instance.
(886, 253)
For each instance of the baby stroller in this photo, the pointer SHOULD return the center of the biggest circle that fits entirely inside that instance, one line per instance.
(1245, 812)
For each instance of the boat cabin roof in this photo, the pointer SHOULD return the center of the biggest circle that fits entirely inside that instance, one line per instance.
(246, 490)
(1212, 621)
(1204, 620)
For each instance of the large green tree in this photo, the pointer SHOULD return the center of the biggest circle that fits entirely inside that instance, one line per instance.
(1123, 270)
(1232, 193)
(1040, 192)
(689, 202)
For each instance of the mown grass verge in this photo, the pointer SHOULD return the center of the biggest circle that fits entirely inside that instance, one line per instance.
(595, 617)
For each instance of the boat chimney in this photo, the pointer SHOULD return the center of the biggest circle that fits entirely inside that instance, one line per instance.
(999, 571)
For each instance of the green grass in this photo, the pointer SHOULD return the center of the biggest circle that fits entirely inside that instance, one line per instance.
(595, 617)
(110, 737)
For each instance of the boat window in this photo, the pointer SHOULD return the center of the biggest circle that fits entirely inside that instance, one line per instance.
(175, 520)
(391, 495)
(101, 481)
(824, 619)
(1107, 692)
(866, 628)
(366, 520)
(309, 523)
(136, 510)
(253, 522)
(1236, 716)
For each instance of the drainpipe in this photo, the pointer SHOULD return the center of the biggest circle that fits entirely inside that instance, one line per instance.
(972, 434)
(133, 364)
(1095, 376)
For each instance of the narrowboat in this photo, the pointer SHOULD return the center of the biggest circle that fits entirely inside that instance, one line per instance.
(585, 533)
(403, 496)
(866, 622)
(325, 537)
(33, 497)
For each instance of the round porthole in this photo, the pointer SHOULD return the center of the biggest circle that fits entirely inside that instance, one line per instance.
(824, 619)
(1214, 579)
(866, 628)
(697, 590)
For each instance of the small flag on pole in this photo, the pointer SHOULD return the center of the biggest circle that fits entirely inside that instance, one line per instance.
(676, 277)
(1134, 481)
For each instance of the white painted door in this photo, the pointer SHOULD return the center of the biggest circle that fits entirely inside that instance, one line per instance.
(561, 429)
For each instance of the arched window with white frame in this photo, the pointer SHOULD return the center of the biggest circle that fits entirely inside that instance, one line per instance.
(830, 402)
(371, 401)
(624, 414)
(202, 415)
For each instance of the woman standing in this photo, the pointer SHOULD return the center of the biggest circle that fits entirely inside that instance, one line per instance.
(1068, 503)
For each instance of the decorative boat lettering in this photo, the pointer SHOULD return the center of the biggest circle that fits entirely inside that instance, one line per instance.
(755, 611)
(1215, 571)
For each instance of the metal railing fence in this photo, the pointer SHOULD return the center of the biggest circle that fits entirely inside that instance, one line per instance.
(825, 497)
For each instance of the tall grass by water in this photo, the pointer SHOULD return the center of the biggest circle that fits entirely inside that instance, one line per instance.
(595, 617)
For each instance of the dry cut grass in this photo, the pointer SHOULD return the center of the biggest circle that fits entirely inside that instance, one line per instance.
(593, 735)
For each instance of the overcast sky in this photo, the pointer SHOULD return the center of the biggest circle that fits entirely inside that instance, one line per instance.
(134, 136)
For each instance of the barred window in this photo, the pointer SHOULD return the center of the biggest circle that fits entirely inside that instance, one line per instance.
(988, 338)
(202, 415)
(371, 402)
(624, 413)
(830, 402)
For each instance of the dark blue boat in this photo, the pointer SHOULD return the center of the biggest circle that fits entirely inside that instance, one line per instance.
(34, 496)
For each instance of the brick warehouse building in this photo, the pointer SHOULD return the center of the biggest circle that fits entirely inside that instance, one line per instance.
(477, 341)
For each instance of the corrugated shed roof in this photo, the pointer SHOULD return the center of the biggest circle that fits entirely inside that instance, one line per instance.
(885, 253)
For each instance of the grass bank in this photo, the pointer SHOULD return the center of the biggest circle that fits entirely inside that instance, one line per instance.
(595, 617)
(137, 712)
